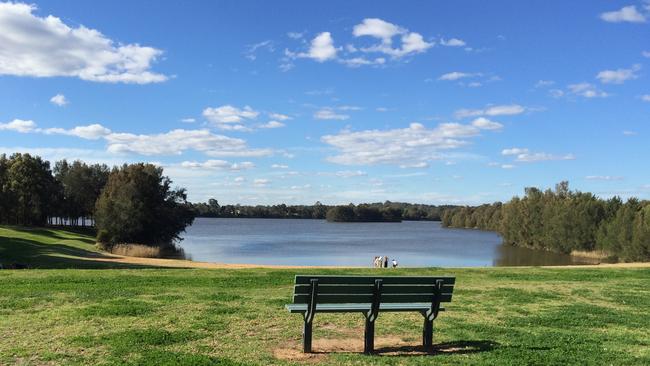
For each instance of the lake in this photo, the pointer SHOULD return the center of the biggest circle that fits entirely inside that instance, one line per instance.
(322, 243)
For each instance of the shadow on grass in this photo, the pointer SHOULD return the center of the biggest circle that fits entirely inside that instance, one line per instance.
(447, 348)
(36, 254)
(51, 232)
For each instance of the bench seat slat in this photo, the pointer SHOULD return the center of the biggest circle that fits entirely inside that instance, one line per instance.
(367, 289)
(369, 280)
(367, 298)
(354, 308)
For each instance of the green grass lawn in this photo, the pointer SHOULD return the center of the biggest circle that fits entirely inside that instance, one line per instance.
(498, 316)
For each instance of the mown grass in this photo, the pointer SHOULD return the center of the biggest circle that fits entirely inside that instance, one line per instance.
(499, 316)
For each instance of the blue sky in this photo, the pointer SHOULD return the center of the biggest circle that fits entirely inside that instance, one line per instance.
(459, 102)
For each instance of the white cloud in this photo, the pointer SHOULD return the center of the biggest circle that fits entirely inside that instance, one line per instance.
(188, 120)
(455, 75)
(218, 165)
(646, 54)
(175, 142)
(59, 100)
(541, 156)
(507, 166)
(227, 117)
(330, 114)
(630, 133)
(19, 125)
(322, 48)
(645, 98)
(412, 42)
(47, 47)
(625, 14)
(453, 42)
(260, 182)
(279, 166)
(497, 110)
(618, 76)
(485, 124)
(514, 151)
(419, 165)
(587, 90)
(279, 116)
(603, 177)
(271, 124)
(90, 132)
(405, 146)
(377, 28)
(362, 61)
(350, 173)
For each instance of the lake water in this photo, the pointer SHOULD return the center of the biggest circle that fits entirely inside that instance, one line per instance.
(321, 243)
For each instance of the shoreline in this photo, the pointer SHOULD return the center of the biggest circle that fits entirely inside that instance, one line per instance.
(183, 263)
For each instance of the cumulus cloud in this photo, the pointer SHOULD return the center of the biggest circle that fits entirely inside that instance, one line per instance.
(455, 75)
(411, 42)
(46, 47)
(618, 76)
(261, 182)
(586, 90)
(485, 124)
(496, 110)
(218, 165)
(90, 132)
(410, 146)
(514, 151)
(188, 120)
(279, 116)
(18, 125)
(59, 100)
(625, 14)
(271, 124)
(321, 48)
(227, 117)
(279, 166)
(645, 98)
(330, 114)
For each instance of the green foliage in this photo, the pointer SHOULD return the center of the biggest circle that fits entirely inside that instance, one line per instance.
(563, 220)
(407, 211)
(27, 190)
(81, 185)
(363, 213)
(138, 205)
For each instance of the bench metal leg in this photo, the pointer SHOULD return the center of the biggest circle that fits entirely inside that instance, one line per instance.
(306, 337)
(369, 337)
(427, 334)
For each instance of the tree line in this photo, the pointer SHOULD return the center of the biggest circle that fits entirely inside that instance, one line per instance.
(562, 220)
(132, 203)
(408, 211)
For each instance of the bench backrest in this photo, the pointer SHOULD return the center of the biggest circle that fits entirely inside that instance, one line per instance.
(362, 289)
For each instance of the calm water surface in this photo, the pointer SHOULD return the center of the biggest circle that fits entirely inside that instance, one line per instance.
(321, 243)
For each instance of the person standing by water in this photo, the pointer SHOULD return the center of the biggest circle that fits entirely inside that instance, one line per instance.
(385, 261)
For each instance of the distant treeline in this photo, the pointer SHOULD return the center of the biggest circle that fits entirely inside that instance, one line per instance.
(363, 213)
(133, 203)
(564, 221)
(407, 211)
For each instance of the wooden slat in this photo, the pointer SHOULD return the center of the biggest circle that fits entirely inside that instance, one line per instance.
(406, 298)
(367, 289)
(351, 308)
(369, 280)
(335, 289)
(335, 299)
(367, 298)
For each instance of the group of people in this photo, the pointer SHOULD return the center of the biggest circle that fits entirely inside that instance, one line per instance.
(382, 262)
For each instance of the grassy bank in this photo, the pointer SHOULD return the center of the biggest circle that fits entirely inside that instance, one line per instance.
(236, 317)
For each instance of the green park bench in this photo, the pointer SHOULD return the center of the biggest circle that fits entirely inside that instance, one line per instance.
(370, 295)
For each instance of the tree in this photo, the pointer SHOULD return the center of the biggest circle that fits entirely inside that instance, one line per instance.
(29, 187)
(138, 206)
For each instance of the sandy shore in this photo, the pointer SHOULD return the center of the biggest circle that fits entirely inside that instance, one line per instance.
(179, 263)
